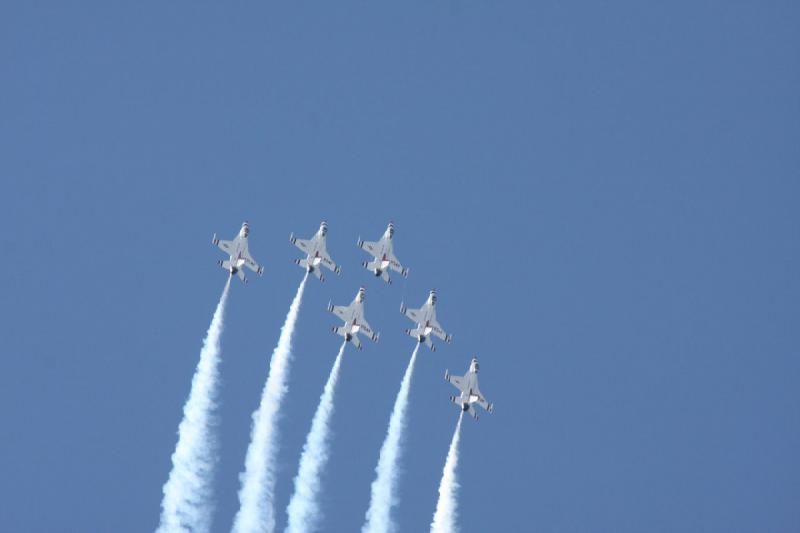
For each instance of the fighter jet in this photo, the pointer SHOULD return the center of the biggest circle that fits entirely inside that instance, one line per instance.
(239, 255)
(317, 253)
(383, 256)
(354, 322)
(468, 385)
(425, 318)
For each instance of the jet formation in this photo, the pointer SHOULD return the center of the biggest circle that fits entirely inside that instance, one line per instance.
(384, 259)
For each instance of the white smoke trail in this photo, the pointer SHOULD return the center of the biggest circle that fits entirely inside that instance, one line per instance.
(303, 509)
(187, 504)
(382, 499)
(256, 506)
(446, 515)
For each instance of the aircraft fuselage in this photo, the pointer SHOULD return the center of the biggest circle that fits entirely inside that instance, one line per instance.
(313, 261)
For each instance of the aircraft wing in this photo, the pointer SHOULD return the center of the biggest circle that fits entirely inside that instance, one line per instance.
(328, 262)
(395, 264)
(225, 246)
(486, 405)
(367, 329)
(303, 244)
(342, 311)
(251, 264)
(457, 381)
(478, 398)
(438, 331)
(413, 314)
(369, 246)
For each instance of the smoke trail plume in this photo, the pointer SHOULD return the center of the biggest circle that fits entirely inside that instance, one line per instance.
(446, 515)
(187, 504)
(256, 506)
(303, 509)
(382, 499)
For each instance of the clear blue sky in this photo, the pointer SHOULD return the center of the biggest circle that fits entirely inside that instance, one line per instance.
(605, 196)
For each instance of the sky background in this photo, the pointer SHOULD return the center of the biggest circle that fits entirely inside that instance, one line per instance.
(604, 194)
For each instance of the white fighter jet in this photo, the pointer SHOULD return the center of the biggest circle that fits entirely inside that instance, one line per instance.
(468, 385)
(383, 255)
(317, 254)
(354, 322)
(239, 254)
(425, 318)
